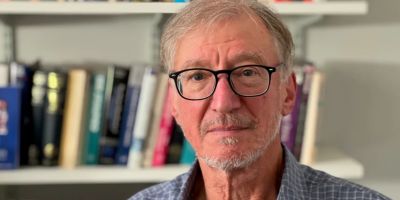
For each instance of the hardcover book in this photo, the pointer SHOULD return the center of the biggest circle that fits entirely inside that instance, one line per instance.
(10, 109)
(143, 118)
(94, 119)
(38, 103)
(129, 114)
(155, 128)
(116, 84)
(175, 145)
(21, 75)
(74, 118)
(53, 117)
(166, 126)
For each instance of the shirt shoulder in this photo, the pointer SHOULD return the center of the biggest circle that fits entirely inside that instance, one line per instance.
(168, 190)
(324, 186)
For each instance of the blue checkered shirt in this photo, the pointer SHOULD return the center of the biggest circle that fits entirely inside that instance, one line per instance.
(298, 182)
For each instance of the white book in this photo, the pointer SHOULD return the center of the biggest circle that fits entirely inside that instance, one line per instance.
(308, 149)
(143, 118)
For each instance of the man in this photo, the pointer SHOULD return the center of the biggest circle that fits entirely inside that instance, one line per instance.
(230, 68)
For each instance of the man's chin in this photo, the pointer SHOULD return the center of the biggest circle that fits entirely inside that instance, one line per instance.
(231, 161)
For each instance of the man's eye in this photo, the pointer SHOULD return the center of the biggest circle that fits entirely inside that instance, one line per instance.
(198, 76)
(248, 72)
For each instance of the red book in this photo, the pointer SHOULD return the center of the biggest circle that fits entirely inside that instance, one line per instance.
(164, 136)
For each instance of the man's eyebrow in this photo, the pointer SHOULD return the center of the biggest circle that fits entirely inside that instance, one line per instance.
(195, 63)
(247, 56)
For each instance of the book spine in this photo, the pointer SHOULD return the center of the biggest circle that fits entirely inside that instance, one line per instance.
(175, 145)
(310, 126)
(143, 118)
(308, 71)
(165, 131)
(154, 131)
(289, 123)
(94, 120)
(117, 80)
(129, 115)
(38, 104)
(55, 96)
(10, 107)
(188, 155)
(74, 119)
(21, 75)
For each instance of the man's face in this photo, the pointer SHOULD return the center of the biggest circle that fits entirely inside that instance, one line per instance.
(226, 127)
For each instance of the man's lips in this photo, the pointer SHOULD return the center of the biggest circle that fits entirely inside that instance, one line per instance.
(225, 129)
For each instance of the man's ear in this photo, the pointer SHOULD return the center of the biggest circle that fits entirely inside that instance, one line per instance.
(289, 97)
(171, 97)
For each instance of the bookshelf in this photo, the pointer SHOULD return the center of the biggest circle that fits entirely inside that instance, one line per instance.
(121, 8)
(329, 160)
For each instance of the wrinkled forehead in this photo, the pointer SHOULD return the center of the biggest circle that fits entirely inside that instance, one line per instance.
(204, 29)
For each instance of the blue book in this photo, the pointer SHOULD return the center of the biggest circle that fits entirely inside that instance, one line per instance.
(10, 116)
(129, 114)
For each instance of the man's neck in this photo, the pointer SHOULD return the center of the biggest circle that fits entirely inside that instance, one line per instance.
(260, 180)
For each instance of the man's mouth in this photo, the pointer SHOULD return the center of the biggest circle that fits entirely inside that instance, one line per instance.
(226, 129)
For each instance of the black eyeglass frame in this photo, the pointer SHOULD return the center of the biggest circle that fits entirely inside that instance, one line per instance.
(271, 70)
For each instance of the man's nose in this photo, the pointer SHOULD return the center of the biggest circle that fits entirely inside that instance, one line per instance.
(224, 100)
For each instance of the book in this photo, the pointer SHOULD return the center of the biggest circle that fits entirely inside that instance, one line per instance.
(116, 84)
(308, 71)
(166, 126)
(188, 155)
(129, 114)
(310, 126)
(38, 104)
(143, 117)
(155, 126)
(74, 118)
(53, 117)
(21, 75)
(175, 145)
(289, 123)
(94, 119)
(10, 109)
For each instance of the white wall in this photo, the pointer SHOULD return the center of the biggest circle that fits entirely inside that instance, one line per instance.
(360, 111)
(76, 39)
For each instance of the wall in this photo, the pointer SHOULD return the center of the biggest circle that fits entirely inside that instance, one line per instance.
(360, 109)
(76, 39)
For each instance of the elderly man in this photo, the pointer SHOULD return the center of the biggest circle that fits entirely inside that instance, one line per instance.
(230, 69)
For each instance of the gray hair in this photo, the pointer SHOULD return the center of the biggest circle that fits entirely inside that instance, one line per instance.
(210, 11)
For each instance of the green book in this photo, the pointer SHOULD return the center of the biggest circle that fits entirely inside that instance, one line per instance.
(188, 155)
(94, 125)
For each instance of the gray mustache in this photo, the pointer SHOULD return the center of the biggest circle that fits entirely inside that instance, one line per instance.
(227, 120)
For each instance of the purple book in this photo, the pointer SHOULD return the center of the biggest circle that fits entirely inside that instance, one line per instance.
(289, 122)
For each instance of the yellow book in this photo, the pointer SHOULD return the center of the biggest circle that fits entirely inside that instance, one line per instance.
(74, 118)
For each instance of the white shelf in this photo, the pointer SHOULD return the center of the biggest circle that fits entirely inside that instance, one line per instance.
(120, 8)
(338, 164)
(95, 174)
(329, 160)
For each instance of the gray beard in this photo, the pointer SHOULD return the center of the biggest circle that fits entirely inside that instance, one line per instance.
(243, 160)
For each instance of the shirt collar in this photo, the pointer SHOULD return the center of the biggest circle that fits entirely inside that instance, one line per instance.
(292, 182)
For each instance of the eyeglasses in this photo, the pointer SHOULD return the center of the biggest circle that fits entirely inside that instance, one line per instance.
(245, 81)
